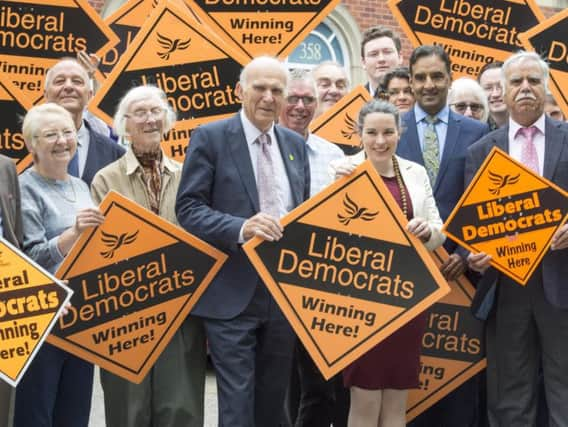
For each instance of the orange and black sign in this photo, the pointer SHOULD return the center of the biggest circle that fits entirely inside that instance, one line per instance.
(346, 274)
(510, 213)
(13, 106)
(548, 39)
(135, 277)
(126, 22)
(452, 346)
(182, 57)
(31, 300)
(261, 27)
(473, 33)
(339, 123)
(35, 34)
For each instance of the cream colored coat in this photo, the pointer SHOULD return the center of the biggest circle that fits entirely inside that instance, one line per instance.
(416, 180)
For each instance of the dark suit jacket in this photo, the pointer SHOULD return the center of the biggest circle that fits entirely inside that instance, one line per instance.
(10, 202)
(449, 185)
(554, 263)
(102, 151)
(218, 193)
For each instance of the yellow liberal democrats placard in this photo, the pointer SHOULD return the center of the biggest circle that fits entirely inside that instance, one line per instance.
(13, 106)
(261, 27)
(510, 213)
(135, 277)
(339, 123)
(346, 274)
(126, 22)
(549, 40)
(197, 72)
(473, 33)
(453, 348)
(31, 300)
(35, 34)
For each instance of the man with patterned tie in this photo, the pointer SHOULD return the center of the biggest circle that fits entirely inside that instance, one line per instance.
(438, 138)
(531, 322)
(240, 176)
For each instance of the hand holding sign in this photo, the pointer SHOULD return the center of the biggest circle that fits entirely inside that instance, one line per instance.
(264, 226)
(560, 238)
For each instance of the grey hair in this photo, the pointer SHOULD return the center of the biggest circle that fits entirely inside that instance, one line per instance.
(140, 93)
(50, 73)
(262, 61)
(467, 86)
(301, 75)
(34, 116)
(525, 56)
(377, 106)
(335, 64)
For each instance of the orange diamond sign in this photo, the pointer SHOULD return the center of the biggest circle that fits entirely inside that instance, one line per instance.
(31, 300)
(510, 213)
(339, 123)
(136, 277)
(346, 274)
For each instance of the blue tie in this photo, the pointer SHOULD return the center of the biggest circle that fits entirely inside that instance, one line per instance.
(73, 166)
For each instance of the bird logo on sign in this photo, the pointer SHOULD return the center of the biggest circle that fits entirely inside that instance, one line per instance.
(171, 45)
(354, 212)
(351, 127)
(501, 181)
(116, 241)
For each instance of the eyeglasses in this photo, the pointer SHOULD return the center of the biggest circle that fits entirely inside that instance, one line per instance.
(461, 107)
(143, 115)
(306, 100)
(52, 136)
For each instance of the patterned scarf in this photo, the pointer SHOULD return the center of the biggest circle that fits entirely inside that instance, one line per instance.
(152, 176)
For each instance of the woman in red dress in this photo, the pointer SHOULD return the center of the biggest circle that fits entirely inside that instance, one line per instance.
(380, 379)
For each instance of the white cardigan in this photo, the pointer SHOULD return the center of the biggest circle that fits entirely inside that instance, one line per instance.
(420, 192)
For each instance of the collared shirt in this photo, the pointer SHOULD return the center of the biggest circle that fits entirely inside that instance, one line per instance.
(83, 140)
(320, 154)
(284, 192)
(441, 127)
(516, 141)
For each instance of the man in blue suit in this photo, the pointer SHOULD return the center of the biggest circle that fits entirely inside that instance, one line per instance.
(67, 84)
(431, 120)
(223, 199)
(531, 321)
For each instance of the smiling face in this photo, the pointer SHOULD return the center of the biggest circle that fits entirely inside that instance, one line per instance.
(400, 94)
(379, 136)
(299, 107)
(68, 85)
(55, 143)
(490, 81)
(145, 124)
(430, 82)
(332, 84)
(525, 91)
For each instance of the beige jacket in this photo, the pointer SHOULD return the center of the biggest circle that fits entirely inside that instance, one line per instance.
(125, 177)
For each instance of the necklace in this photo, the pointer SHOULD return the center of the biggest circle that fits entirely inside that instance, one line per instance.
(401, 186)
(62, 192)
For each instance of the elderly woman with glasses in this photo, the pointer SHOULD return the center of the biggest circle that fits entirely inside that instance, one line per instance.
(467, 97)
(171, 394)
(56, 209)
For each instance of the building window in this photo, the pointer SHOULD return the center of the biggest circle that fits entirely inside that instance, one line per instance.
(321, 45)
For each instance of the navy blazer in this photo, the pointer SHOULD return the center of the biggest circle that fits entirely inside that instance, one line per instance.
(102, 151)
(10, 204)
(554, 264)
(449, 185)
(218, 193)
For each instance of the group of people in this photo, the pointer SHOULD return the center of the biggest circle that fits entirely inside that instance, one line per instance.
(425, 135)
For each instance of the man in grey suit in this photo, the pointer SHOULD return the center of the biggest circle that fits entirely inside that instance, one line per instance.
(231, 169)
(11, 230)
(531, 322)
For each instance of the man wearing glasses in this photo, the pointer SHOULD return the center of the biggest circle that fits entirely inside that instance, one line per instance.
(311, 400)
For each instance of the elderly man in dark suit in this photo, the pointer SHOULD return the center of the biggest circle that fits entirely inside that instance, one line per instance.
(67, 84)
(11, 230)
(438, 138)
(531, 322)
(240, 176)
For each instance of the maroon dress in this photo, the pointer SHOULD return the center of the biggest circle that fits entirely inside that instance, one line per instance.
(395, 362)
